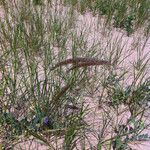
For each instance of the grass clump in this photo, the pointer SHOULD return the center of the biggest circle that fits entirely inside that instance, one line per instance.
(50, 73)
(128, 15)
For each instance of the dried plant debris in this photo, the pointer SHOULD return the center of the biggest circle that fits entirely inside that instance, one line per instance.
(81, 62)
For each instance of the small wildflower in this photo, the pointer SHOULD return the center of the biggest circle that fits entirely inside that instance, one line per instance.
(46, 120)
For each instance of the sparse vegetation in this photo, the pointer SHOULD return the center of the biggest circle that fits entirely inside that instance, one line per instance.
(62, 88)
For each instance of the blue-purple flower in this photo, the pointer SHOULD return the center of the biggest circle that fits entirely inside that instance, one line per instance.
(46, 120)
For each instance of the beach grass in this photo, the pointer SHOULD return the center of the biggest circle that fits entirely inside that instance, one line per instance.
(55, 80)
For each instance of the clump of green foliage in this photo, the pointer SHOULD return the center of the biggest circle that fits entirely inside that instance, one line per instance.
(128, 15)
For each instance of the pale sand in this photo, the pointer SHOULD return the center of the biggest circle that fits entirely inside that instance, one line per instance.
(96, 34)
